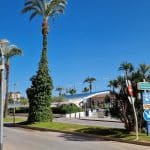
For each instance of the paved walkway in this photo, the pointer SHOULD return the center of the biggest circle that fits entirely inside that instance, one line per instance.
(92, 122)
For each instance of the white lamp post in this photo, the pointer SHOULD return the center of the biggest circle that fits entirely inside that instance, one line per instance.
(3, 46)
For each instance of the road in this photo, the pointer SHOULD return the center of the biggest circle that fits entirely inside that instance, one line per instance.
(91, 122)
(22, 139)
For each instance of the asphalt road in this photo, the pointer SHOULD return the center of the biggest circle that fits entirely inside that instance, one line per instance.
(22, 139)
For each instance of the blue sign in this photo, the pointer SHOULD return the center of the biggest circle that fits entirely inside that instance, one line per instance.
(146, 98)
(148, 128)
(146, 115)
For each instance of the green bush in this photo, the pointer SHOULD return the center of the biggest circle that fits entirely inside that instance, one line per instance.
(39, 94)
(66, 109)
(19, 110)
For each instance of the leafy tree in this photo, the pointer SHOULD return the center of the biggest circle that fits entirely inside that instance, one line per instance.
(10, 101)
(40, 92)
(85, 90)
(23, 101)
(11, 51)
(72, 91)
(90, 80)
(121, 106)
(69, 108)
(60, 90)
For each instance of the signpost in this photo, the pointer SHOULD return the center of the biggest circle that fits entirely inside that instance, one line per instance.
(146, 102)
(143, 85)
(132, 99)
(146, 115)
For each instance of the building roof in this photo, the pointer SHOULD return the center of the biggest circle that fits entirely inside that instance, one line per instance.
(85, 96)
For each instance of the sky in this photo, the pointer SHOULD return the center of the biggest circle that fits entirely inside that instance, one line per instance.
(91, 39)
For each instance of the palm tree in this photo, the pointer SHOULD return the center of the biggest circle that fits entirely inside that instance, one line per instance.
(10, 52)
(46, 9)
(113, 84)
(144, 70)
(127, 67)
(90, 80)
(60, 89)
(85, 90)
(72, 91)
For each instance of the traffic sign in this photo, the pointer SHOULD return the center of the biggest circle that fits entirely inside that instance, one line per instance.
(146, 115)
(146, 100)
(143, 85)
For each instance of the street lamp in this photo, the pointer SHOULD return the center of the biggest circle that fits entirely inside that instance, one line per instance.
(3, 46)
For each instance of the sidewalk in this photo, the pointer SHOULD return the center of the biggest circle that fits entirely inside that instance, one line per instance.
(105, 119)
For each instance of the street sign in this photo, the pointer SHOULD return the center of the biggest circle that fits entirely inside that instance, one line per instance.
(146, 100)
(146, 115)
(148, 128)
(143, 85)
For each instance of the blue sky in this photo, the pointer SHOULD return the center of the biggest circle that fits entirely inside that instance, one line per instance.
(92, 38)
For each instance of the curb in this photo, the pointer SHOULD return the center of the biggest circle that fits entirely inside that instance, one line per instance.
(96, 137)
(100, 120)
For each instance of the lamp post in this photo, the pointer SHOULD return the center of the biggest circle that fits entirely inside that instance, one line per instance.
(3, 45)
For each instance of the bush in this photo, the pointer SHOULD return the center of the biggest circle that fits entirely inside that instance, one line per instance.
(19, 110)
(66, 109)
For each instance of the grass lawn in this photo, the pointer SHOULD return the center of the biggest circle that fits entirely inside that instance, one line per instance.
(10, 120)
(101, 131)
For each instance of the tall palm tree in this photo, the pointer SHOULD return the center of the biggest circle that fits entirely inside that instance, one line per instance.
(47, 9)
(144, 70)
(113, 84)
(60, 89)
(90, 80)
(127, 67)
(10, 52)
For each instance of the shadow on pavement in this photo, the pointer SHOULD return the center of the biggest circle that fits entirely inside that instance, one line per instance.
(72, 137)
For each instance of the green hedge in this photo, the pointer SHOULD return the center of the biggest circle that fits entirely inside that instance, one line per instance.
(66, 109)
(19, 110)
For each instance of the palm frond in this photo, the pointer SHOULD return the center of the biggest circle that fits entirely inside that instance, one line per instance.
(45, 8)
(12, 51)
(56, 7)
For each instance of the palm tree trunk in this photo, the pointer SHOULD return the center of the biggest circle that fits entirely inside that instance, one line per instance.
(45, 29)
(90, 87)
(7, 90)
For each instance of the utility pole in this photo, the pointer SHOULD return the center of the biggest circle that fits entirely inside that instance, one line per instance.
(132, 100)
(3, 46)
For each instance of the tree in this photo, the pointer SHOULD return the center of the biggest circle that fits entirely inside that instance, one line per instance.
(113, 84)
(144, 70)
(40, 92)
(85, 90)
(72, 91)
(11, 51)
(90, 80)
(127, 67)
(60, 90)
(121, 106)
(23, 101)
